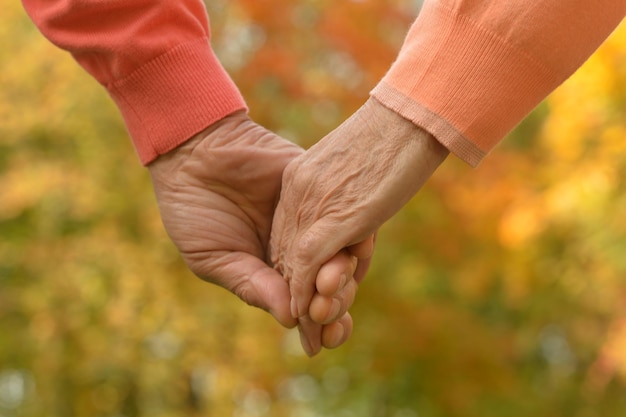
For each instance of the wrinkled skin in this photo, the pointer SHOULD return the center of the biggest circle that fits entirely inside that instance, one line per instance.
(342, 190)
(217, 193)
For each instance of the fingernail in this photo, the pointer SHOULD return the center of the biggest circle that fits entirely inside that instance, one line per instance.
(338, 336)
(294, 308)
(306, 345)
(343, 279)
(334, 310)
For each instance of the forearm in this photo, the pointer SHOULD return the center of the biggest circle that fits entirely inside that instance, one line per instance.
(471, 70)
(154, 59)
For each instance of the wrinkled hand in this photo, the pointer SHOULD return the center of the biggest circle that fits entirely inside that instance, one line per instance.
(343, 189)
(217, 193)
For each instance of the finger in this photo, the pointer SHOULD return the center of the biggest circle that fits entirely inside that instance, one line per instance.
(324, 310)
(310, 336)
(337, 333)
(361, 269)
(316, 247)
(301, 276)
(335, 274)
(363, 250)
(251, 280)
(335, 289)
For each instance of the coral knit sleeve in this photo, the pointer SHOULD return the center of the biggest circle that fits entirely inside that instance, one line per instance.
(154, 59)
(470, 70)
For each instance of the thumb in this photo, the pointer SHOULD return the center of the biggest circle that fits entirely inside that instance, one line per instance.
(313, 249)
(253, 281)
(364, 251)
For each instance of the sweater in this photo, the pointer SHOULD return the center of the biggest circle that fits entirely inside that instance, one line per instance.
(468, 72)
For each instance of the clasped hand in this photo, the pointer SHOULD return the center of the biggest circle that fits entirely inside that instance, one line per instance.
(217, 194)
(288, 231)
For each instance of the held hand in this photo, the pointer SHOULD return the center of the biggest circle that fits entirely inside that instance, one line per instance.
(342, 190)
(328, 323)
(217, 193)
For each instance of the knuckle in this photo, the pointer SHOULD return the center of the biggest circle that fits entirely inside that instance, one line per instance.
(306, 249)
(243, 290)
(289, 173)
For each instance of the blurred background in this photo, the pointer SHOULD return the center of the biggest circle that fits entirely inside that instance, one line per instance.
(497, 291)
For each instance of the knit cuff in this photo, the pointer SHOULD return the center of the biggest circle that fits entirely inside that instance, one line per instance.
(462, 82)
(173, 97)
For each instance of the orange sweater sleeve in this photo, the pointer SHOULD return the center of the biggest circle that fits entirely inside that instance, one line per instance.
(154, 59)
(470, 70)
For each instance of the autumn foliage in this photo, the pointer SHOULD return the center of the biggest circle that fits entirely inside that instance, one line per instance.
(496, 292)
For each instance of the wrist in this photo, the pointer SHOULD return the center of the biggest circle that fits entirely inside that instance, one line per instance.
(426, 151)
(212, 133)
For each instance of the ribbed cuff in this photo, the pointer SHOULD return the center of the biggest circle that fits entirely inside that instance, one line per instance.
(173, 97)
(431, 122)
(463, 83)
